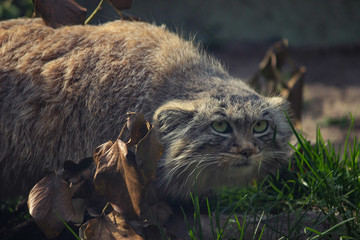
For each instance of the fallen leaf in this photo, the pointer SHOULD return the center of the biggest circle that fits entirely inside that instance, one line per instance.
(49, 203)
(135, 187)
(80, 176)
(148, 153)
(109, 179)
(73, 168)
(57, 13)
(123, 177)
(137, 127)
(100, 151)
(80, 205)
(139, 177)
(294, 93)
(112, 226)
(271, 80)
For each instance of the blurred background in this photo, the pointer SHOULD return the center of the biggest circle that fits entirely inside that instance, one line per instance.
(324, 36)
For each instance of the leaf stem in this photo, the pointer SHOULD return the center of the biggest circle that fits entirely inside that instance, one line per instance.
(94, 12)
(122, 131)
(104, 209)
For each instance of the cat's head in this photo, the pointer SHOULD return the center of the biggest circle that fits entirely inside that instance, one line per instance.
(220, 139)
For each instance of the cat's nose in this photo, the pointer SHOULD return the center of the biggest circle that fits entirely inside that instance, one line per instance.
(247, 152)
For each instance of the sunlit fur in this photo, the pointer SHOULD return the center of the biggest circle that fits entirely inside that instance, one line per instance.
(65, 91)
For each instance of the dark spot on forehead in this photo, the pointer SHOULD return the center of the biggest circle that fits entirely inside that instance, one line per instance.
(235, 99)
(221, 113)
(265, 113)
(223, 105)
(245, 97)
(219, 96)
(244, 123)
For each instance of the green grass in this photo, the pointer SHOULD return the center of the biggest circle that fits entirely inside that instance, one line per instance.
(15, 8)
(317, 196)
(10, 214)
(341, 122)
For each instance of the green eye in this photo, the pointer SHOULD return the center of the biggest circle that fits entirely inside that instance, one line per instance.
(261, 126)
(221, 126)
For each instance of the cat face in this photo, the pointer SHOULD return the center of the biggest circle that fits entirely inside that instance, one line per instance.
(220, 140)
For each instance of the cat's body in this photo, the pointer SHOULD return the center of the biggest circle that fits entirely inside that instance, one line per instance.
(65, 91)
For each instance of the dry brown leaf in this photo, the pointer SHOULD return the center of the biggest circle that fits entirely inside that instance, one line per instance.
(137, 127)
(101, 150)
(123, 177)
(271, 80)
(112, 226)
(148, 153)
(138, 178)
(109, 179)
(57, 13)
(49, 200)
(121, 4)
(80, 205)
(76, 172)
(135, 187)
(80, 177)
(294, 94)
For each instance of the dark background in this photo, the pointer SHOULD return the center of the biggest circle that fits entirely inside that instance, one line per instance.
(320, 23)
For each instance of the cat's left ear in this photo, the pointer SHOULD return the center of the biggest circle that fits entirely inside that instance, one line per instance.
(280, 111)
(174, 117)
(279, 104)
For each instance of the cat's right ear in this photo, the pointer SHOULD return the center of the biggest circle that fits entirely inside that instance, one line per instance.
(174, 118)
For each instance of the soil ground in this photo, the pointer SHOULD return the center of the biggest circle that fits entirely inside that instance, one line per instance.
(331, 90)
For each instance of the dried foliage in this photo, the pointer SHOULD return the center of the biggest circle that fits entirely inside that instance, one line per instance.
(109, 179)
(111, 226)
(272, 79)
(121, 173)
(49, 202)
(68, 12)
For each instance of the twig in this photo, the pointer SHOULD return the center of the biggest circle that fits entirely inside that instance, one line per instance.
(94, 12)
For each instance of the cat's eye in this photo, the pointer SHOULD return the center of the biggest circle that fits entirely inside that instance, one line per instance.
(261, 126)
(221, 126)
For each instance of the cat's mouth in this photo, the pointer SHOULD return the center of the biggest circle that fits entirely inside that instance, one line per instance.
(241, 164)
(236, 159)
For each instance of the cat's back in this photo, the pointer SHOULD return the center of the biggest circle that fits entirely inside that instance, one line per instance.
(134, 58)
(29, 46)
